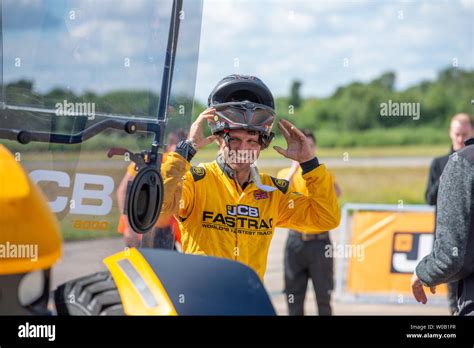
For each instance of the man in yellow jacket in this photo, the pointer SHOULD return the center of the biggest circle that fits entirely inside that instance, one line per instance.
(228, 209)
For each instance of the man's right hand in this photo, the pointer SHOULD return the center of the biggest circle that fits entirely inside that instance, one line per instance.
(131, 239)
(196, 133)
(418, 291)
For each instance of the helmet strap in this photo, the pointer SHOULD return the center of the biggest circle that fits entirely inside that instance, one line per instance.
(226, 137)
(265, 140)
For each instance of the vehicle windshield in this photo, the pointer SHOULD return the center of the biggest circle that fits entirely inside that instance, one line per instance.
(68, 65)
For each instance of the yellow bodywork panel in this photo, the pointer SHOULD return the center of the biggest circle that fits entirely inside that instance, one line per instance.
(140, 289)
(30, 237)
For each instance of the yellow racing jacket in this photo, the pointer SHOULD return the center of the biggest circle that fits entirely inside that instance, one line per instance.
(219, 218)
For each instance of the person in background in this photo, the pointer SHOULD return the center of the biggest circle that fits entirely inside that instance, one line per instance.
(460, 129)
(452, 257)
(305, 253)
(166, 231)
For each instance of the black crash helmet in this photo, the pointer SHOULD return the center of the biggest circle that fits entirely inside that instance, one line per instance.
(243, 102)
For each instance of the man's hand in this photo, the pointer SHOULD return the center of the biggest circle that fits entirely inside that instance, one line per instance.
(418, 290)
(131, 238)
(298, 148)
(196, 134)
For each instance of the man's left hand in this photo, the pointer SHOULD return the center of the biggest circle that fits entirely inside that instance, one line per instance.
(298, 147)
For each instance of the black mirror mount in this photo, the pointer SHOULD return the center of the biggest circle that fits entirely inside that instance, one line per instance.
(144, 200)
(145, 194)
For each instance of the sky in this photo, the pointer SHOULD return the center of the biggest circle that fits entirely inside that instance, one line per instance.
(326, 44)
(97, 45)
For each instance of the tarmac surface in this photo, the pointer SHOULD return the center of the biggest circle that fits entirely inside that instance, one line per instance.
(85, 257)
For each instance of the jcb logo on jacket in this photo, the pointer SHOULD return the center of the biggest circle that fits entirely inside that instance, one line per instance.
(243, 210)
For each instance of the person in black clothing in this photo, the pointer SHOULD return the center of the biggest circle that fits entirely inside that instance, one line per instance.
(460, 129)
(452, 258)
(306, 256)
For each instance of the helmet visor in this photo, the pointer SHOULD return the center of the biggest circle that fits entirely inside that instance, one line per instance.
(246, 115)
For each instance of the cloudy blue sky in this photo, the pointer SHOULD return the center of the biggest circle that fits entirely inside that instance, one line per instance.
(97, 45)
(279, 40)
(325, 44)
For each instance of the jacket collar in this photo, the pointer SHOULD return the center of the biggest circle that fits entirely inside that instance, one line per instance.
(227, 170)
(469, 141)
(254, 175)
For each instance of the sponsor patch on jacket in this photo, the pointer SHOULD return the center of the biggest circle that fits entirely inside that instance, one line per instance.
(281, 184)
(260, 195)
(198, 173)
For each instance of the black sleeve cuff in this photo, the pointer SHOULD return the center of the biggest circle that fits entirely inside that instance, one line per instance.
(184, 153)
(186, 150)
(309, 165)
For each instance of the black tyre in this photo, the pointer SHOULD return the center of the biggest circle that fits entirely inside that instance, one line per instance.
(94, 294)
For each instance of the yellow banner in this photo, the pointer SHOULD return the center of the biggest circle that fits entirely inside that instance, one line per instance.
(392, 244)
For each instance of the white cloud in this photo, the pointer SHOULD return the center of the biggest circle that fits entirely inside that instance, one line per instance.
(467, 4)
(410, 38)
(286, 20)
